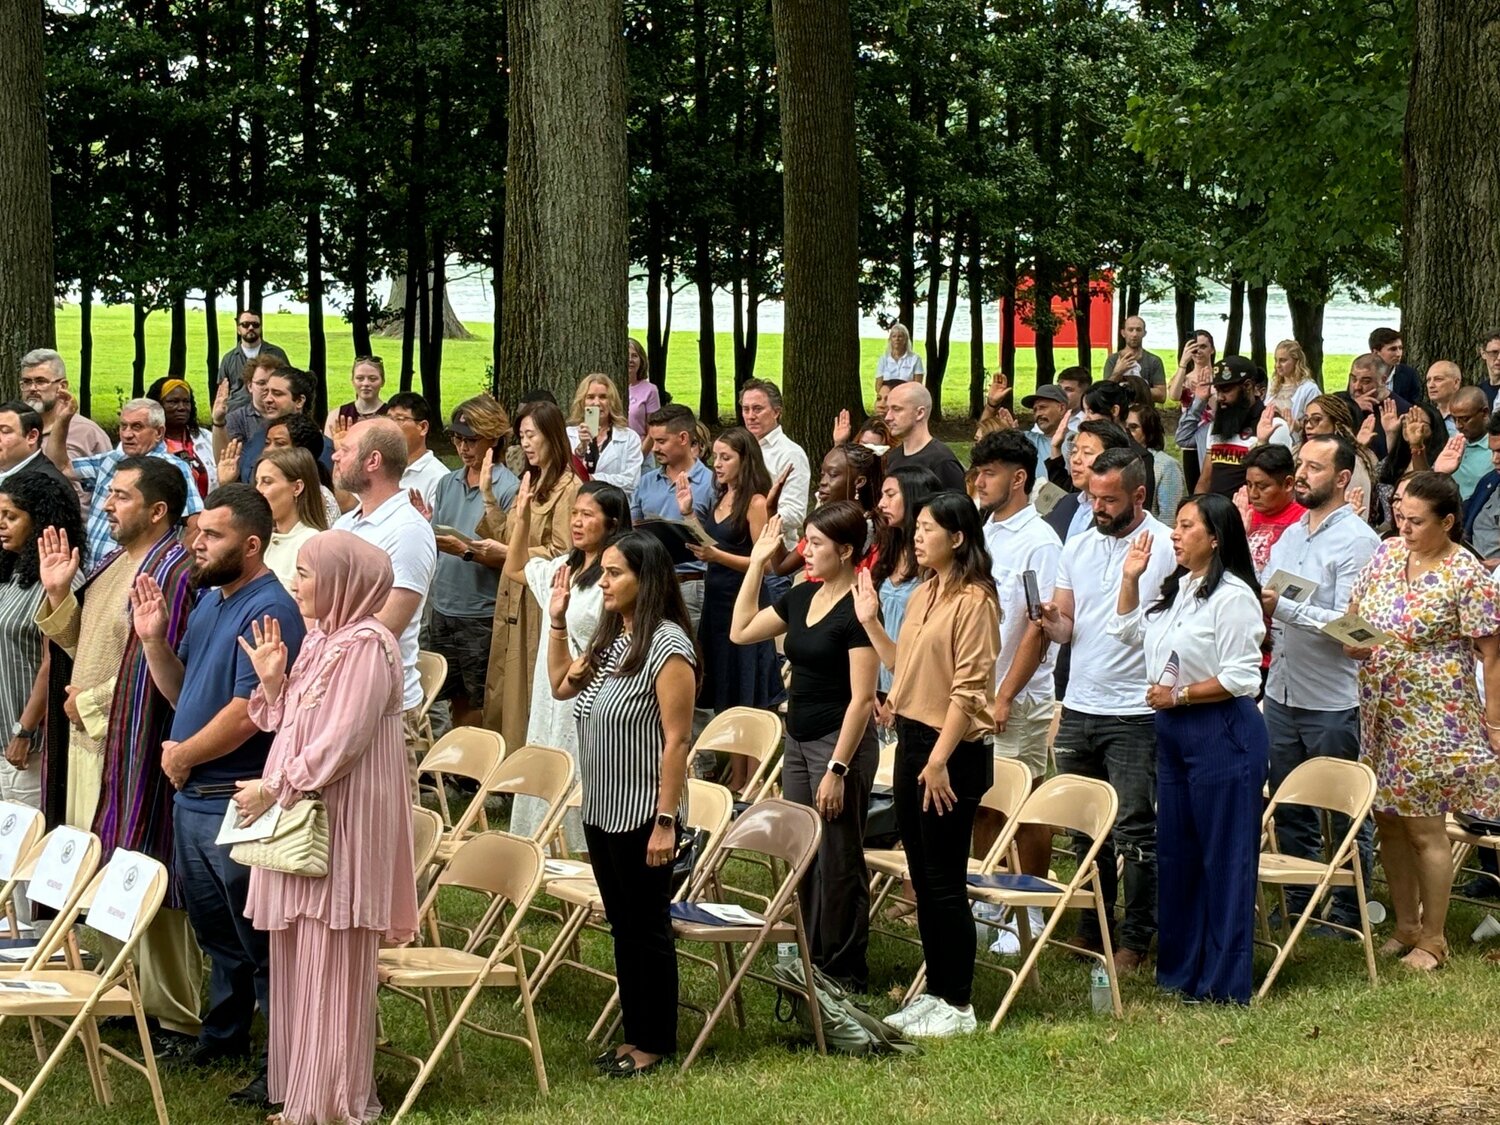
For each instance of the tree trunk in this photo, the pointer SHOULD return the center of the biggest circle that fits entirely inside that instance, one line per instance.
(1008, 269)
(432, 349)
(1307, 328)
(1083, 316)
(27, 316)
(978, 376)
(255, 251)
(1185, 292)
(708, 363)
(308, 75)
(1236, 327)
(85, 388)
(937, 356)
(395, 308)
(1451, 268)
(409, 307)
(1044, 326)
(566, 248)
(211, 339)
(820, 358)
(138, 313)
(1255, 298)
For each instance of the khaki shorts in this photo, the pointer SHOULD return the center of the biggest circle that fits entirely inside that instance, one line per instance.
(1025, 735)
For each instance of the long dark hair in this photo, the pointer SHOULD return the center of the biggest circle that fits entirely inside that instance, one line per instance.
(615, 505)
(49, 504)
(1231, 557)
(893, 542)
(955, 513)
(548, 420)
(1439, 492)
(754, 479)
(1398, 457)
(658, 598)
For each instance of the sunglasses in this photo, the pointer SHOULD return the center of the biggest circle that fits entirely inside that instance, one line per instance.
(249, 324)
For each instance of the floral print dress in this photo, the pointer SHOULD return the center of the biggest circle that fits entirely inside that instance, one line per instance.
(1421, 723)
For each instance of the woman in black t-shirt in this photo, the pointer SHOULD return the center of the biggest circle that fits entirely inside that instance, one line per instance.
(830, 753)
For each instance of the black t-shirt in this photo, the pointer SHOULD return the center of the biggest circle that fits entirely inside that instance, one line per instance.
(935, 456)
(819, 656)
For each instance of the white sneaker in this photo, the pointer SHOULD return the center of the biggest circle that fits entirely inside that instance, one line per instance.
(942, 1021)
(988, 913)
(911, 1012)
(1007, 942)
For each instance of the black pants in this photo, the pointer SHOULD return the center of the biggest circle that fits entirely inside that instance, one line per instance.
(937, 854)
(836, 893)
(636, 901)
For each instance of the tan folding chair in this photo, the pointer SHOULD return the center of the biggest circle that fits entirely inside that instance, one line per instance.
(472, 753)
(1465, 843)
(81, 997)
(432, 672)
(543, 772)
(1069, 803)
(506, 872)
(66, 850)
(21, 828)
(747, 732)
(784, 833)
(426, 831)
(709, 809)
(1329, 785)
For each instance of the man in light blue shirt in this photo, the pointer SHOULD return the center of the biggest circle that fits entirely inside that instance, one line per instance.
(1470, 412)
(671, 432)
(1312, 692)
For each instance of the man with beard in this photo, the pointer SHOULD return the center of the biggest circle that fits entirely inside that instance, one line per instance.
(1107, 730)
(117, 716)
(43, 378)
(369, 463)
(1223, 429)
(232, 367)
(1020, 542)
(1366, 397)
(214, 746)
(1312, 691)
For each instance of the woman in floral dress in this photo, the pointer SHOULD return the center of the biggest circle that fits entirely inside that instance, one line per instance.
(1432, 745)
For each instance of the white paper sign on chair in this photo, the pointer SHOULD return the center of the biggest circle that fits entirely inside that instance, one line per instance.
(117, 902)
(15, 822)
(57, 866)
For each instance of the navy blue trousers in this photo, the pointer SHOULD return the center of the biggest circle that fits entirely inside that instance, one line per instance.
(1211, 762)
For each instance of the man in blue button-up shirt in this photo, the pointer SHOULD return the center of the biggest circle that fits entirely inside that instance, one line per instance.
(671, 432)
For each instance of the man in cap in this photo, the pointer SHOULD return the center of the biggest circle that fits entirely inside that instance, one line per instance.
(1223, 422)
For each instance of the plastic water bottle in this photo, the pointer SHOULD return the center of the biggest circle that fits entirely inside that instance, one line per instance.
(1099, 991)
(786, 953)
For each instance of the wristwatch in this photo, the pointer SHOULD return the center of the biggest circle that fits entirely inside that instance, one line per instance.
(837, 768)
(468, 555)
(18, 731)
(665, 820)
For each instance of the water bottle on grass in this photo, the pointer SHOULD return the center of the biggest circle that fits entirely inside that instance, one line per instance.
(1099, 990)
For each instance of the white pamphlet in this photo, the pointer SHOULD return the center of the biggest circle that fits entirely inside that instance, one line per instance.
(117, 902)
(19, 953)
(57, 867)
(260, 828)
(561, 869)
(36, 987)
(729, 912)
(1047, 497)
(1291, 586)
(15, 822)
(1354, 631)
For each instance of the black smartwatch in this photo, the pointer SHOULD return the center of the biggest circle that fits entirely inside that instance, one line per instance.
(468, 555)
(837, 768)
(665, 820)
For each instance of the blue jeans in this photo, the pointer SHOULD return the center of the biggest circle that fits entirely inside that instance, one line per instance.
(1119, 749)
(214, 890)
(1298, 734)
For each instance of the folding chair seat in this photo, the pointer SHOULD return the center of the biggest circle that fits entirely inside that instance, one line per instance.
(471, 753)
(1068, 803)
(505, 871)
(426, 832)
(1466, 841)
(122, 900)
(1328, 785)
(787, 835)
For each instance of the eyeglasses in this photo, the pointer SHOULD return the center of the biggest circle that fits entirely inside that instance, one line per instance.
(39, 383)
(459, 439)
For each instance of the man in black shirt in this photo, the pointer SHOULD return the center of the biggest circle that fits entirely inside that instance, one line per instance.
(907, 413)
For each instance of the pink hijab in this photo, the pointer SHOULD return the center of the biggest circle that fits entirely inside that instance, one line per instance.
(353, 578)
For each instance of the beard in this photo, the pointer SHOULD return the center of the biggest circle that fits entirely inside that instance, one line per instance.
(1114, 526)
(218, 572)
(1313, 498)
(351, 480)
(1236, 418)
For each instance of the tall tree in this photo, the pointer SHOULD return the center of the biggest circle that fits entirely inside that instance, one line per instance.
(565, 189)
(1451, 263)
(26, 312)
(820, 352)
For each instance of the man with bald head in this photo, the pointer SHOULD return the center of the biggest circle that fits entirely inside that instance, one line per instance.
(1470, 411)
(1443, 381)
(908, 416)
(369, 463)
(1134, 359)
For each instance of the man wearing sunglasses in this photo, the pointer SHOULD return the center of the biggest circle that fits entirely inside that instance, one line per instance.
(232, 367)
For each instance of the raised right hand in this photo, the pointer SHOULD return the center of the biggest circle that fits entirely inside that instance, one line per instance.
(67, 408)
(486, 470)
(765, 547)
(1138, 558)
(843, 428)
(1060, 434)
(1452, 454)
(148, 608)
(229, 460)
(221, 403)
(268, 653)
(684, 492)
(562, 593)
(866, 600)
(1415, 427)
(57, 563)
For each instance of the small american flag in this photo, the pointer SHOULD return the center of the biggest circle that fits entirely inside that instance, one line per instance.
(1169, 673)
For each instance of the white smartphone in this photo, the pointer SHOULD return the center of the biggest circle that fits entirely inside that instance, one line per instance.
(591, 419)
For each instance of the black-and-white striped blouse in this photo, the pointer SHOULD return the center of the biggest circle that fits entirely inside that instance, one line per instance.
(20, 648)
(620, 735)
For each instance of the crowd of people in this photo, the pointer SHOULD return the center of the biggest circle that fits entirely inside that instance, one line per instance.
(201, 616)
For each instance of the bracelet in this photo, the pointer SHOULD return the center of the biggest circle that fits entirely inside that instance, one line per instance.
(1492, 726)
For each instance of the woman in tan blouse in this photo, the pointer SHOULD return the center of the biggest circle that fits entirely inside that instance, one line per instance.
(942, 699)
(543, 439)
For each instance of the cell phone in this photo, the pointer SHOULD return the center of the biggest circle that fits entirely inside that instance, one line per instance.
(591, 419)
(1033, 595)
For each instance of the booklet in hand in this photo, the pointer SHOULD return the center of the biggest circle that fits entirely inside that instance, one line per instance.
(1047, 497)
(1291, 586)
(1354, 631)
(675, 535)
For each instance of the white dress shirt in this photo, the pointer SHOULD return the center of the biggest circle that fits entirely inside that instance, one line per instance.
(1021, 543)
(1107, 675)
(890, 369)
(619, 461)
(1213, 638)
(425, 474)
(780, 451)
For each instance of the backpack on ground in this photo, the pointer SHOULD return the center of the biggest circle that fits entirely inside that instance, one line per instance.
(847, 1028)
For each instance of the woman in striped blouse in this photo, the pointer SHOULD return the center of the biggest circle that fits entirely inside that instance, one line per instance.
(634, 688)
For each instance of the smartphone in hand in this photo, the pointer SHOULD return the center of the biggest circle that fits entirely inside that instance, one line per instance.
(1033, 595)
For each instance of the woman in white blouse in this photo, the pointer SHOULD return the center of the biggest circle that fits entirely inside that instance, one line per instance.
(1203, 650)
(614, 454)
(288, 479)
(899, 363)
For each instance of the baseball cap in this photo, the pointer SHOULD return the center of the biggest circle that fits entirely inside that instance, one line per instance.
(460, 427)
(1049, 391)
(1233, 369)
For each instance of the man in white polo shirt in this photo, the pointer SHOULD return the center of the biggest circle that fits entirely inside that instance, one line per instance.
(1020, 542)
(1107, 731)
(369, 463)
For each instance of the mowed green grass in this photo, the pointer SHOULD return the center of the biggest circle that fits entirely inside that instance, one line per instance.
(1326, 1045)
(465, 362)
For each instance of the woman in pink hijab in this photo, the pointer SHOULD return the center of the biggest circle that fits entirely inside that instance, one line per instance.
(337, 718)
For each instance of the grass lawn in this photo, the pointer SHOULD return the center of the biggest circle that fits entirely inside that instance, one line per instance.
(465, 362)
(1325, 1047)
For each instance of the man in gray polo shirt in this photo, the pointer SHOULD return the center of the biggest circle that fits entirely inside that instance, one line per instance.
(1312, 693)
(462, 600)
